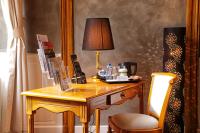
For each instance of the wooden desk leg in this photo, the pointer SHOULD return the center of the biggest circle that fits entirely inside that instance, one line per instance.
(97, 112)
(68, 122)
(141, 99)
(85, 127)
(30, 123)
(30, 115)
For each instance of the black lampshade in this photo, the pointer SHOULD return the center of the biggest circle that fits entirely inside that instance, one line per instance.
(97, 35)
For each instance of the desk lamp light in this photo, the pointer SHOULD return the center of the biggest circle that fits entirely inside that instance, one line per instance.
(97, 37)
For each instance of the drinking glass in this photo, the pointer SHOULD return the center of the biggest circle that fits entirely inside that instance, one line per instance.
(115, 72)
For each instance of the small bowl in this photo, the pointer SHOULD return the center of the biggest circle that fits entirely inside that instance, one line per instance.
(135, 77)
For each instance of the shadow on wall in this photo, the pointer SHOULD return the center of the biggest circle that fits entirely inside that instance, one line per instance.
(34, 71)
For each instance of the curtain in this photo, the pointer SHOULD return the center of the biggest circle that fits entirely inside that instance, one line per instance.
(3, 77)
(191, 65)
(13, 109)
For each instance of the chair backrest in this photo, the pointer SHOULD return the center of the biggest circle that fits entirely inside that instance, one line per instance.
(161, 86)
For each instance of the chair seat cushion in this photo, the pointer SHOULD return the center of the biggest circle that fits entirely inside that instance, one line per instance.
(130, 121)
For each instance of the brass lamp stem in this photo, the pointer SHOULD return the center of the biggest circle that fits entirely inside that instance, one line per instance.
(97, 60)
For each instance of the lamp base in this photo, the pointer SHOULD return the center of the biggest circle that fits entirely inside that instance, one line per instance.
(98, 64)
(95, 79)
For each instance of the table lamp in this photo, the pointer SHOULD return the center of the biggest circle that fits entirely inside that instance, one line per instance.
(97, 36)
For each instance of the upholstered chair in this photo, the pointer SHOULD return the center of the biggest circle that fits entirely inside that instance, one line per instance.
(153, 120)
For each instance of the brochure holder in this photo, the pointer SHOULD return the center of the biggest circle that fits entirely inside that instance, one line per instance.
(53, 69)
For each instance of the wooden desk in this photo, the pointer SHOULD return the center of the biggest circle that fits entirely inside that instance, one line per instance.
(83, 100)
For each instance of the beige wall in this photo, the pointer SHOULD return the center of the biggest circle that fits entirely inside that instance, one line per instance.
(42, 16)
(137, 27)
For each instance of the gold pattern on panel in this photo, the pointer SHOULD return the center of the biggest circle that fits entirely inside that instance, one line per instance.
(170, 65)
(172, 96)
(175, 103)
(179, 78)
(175, 128)
(173, 92)
(176, 86)
(170, 118)
(171, 39)
(176, 52)
(172, 99)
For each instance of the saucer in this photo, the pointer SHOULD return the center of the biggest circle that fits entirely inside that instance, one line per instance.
(135, 77)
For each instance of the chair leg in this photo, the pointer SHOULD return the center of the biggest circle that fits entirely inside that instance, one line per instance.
(109, 129)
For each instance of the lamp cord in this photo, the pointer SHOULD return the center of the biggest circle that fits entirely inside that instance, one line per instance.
(91, 124)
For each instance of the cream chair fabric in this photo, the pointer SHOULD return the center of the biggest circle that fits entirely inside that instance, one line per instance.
(130, 121)
(153, 121)
(160, 85)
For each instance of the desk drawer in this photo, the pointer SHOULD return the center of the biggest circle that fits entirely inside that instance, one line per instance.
(121, 96)
(98, 101)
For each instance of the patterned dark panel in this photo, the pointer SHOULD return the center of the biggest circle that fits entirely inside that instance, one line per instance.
(173, 61)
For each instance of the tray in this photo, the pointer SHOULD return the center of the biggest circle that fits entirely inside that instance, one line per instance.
(117, 82)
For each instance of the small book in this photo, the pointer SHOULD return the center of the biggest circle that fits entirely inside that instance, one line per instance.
(45, 52)
(42, 61)
(59, 73)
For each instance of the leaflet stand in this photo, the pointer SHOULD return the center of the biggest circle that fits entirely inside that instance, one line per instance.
(53, 69)
(46, 81)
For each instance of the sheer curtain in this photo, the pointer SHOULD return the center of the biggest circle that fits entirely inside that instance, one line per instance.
(3, 77)
(13, 107)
